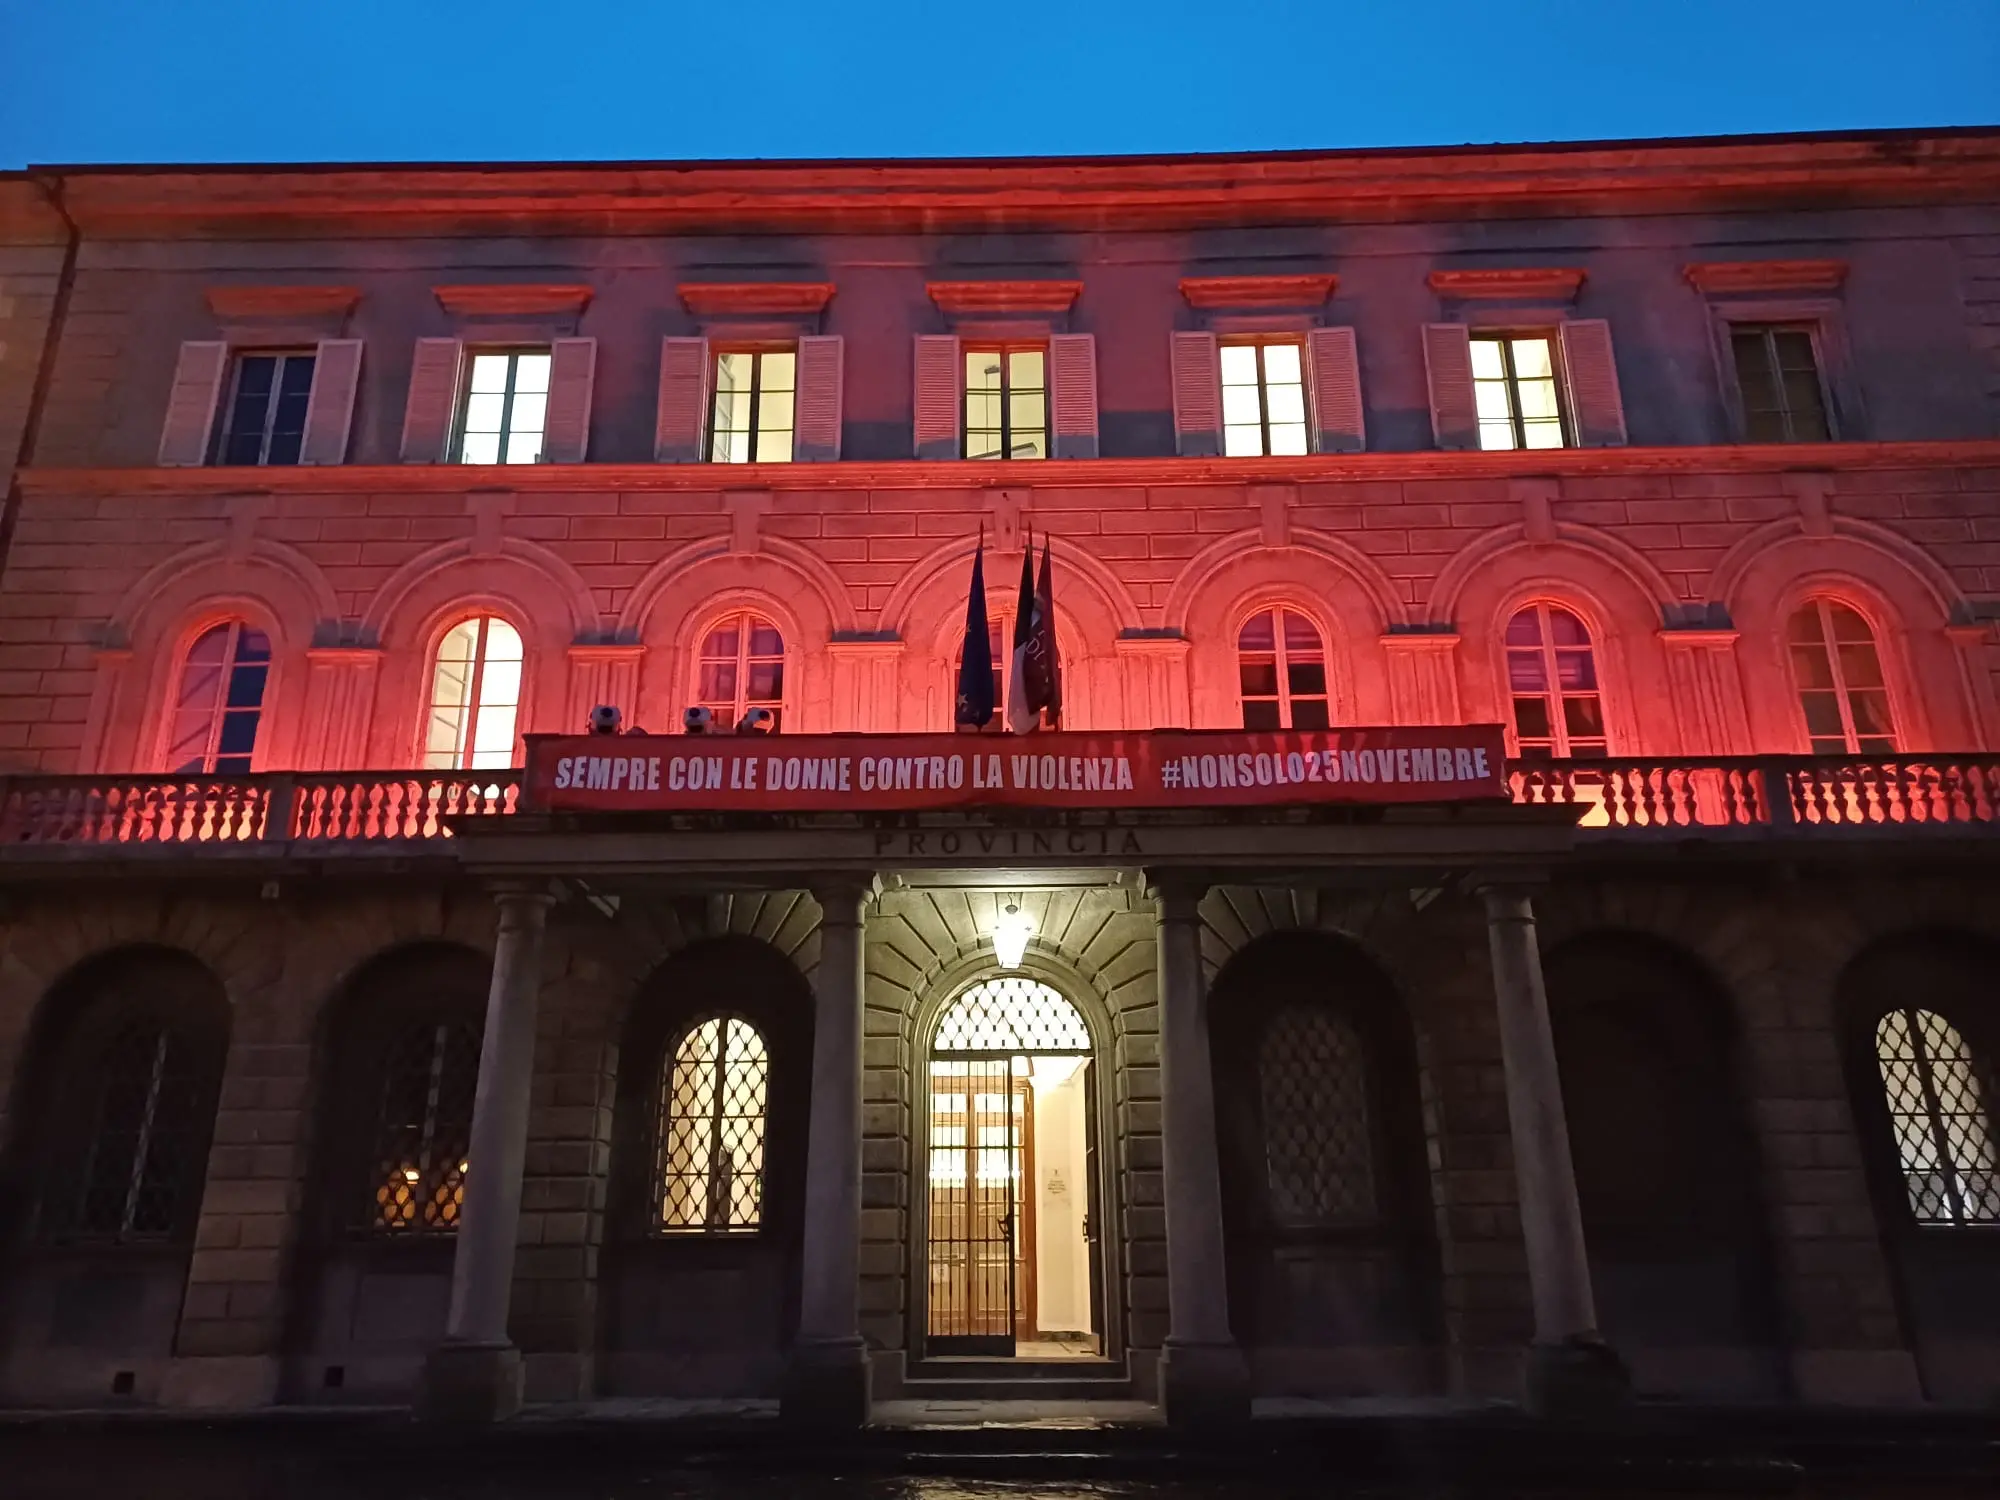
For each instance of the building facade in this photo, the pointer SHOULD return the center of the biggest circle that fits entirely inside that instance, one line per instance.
(1678, 461)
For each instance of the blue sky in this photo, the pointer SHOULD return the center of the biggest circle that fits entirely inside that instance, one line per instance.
(289, 80)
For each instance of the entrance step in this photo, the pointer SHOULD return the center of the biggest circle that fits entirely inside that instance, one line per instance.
(976, 1379)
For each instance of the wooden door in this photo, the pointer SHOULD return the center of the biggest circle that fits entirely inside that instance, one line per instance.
(974, 1171)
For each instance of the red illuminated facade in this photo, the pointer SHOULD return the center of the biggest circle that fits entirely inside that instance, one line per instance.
(1680, 462)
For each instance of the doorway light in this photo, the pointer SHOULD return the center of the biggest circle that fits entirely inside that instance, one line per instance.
(1010, 935)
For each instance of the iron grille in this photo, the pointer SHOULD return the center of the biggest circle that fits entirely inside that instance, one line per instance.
(137, 1170)
(1011, 1015)
(1319, 1159)
(710, 1167)
(1944, 1135)
(423, 1131)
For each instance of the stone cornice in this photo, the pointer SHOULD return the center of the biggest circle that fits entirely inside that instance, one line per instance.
(1533, 284)
(1915, 167)
(1766, 275)
(511, 299)
(1003, 296)
(712, 298)
(1257, 291)
(969, 477)
(228, 302)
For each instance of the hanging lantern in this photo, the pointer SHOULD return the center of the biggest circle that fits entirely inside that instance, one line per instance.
(1010, 935)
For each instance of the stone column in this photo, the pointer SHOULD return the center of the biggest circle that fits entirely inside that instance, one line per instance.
(1204, 1379)
(1570, 1368)
(475, 1375)
(826, 1381)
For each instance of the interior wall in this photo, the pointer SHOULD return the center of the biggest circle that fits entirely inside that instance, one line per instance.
(1062, 1257)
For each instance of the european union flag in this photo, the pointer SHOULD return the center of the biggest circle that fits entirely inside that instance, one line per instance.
(975, 657)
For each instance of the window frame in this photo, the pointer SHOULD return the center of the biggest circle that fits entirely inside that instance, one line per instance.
(1559, 748)
(1504, 337)
(756, 349)
(1004, 348)
(746, 613)
(461, 757)
(1261, 342)
(224, 430)
(236, 624)
(462, 409)
(1814, 331)
(1279, 608)
(662, 1112)
(1979, 1064)
(1898, 719)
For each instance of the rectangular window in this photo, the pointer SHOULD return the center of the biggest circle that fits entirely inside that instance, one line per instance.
(1777, 371)
(265, 418)
(1007, 402)
(1514, 384)
(1263, 399)
(506, 406)
(751, 419)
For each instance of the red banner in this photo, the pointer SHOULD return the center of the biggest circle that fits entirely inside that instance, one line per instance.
(1087, 769)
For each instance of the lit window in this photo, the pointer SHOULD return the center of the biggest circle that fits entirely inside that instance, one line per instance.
(1944, 1135)
(751, 422)
(710, 1172)
(1839, 676)
(266, 413)
(1263, 399)
(1552, 677)
(423, 1129)
(742, 667)
(1281, 669)
(219, 701)
(475, 694)
(1777, 373)
(506, 406)
(1514, 384)
(1319, 1149)
(1006, 403)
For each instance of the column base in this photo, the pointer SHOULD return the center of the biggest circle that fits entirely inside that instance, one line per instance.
(1204, 1385)
(826, 1385)
(1578, 1379)
(470, 1383)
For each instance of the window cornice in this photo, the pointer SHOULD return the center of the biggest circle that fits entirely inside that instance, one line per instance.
(1715, 277)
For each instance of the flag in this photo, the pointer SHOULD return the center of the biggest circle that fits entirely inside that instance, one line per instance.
(975, 657)
(1044, 670)
(1022, 715)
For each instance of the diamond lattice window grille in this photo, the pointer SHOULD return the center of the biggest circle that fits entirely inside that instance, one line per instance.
(710, 1166)
(145, 1126)
(1011, 1015)
(1937, 1110)
(423, 1130)
(1319, 1157)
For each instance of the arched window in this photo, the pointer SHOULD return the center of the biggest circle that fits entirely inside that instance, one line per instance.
(1319, 1144)
(475, 695)
(1281, 670)
(710, 1173)
(1839, 677)
(423, 1129)
(218, 701)
(1937, 1107)
(742, 667)
(1552, 679)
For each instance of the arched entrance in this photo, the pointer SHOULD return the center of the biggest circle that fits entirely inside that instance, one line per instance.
(1013, 1216)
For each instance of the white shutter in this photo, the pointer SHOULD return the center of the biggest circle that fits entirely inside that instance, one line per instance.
(1073, 394)
(191, 404)
(1339, 422)
(330, 408)
(940, 387)
(682, 415)
(1197, 373)
(816, 429)
(433, 400)
(1448, 367)
(572, 377)
(1596, 409)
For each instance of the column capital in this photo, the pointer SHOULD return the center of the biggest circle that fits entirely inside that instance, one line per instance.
(842, 898)
(1176, 895)
(523, 902)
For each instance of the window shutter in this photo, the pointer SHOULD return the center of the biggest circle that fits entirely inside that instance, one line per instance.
(683, 408)
(1197, 368)
(940, 388)
(572, 376)
(1339, 424)
(1073, 394)
(816, 433)
(330, 408)
(1595, 407)
(191, 404)
(433, 400)
(1448, 366)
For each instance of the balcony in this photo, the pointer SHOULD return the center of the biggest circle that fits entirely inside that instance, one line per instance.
(400, 812)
